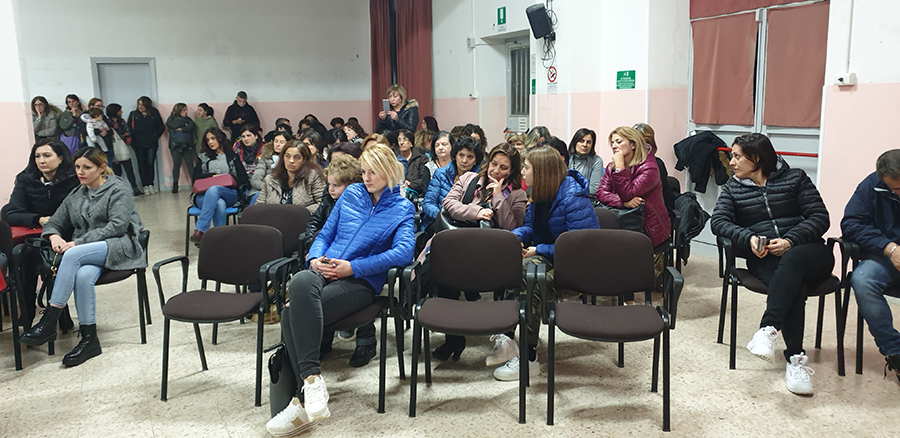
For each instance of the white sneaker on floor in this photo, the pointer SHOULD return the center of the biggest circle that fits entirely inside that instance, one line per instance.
(505, 348)
(510, 370)
(153, 190)
(290, 421)
(763, 343)
(316, 398)
(796, 376)
(146, 190)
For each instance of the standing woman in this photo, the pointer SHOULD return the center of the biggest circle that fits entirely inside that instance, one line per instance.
(204, 120)
(297, 179)
(217, 159)
(369, 231)
(403, 114)
(181, 142)
(118, 124)
(584, 159)
(467, 155)
(248, 146)
(559, 203)
(146, 126)
(106, 229)
(45, 118)
(70, 123)
(40, 189)
(766, 198)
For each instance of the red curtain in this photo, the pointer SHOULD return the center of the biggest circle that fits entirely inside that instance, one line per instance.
(795, 66)
(414, 51)
(380, 27)
(724, 63)
(712, 8)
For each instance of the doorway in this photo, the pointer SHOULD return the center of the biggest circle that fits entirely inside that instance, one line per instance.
(123, 81)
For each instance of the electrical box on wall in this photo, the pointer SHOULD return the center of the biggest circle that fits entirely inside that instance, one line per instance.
(470, 42)
(846, 79)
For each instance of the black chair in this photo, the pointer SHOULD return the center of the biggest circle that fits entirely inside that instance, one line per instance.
(289, 219)
(851, 253)
(239, 255)
(674, 255)
(8, 270)
(584, 263)
(109, 277)
(496, 266)
(608, 220)
(732, 277)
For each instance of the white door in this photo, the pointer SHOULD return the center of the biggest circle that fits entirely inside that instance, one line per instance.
(123, 81)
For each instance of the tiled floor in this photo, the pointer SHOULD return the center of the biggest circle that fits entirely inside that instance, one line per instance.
(117, 393)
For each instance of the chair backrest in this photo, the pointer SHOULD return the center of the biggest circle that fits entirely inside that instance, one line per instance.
(289, 219)
(6, 242)
(603, 262)
(674, 184)
(476, 260)
(233, 254)
(608, 220)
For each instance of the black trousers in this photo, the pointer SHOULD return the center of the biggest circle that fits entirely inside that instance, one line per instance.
(119, 166)
(146, 161)
(790, 278)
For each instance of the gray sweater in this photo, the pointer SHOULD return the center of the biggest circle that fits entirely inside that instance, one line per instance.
(108, 215)
(591, 168)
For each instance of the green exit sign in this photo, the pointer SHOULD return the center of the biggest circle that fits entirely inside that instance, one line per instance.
(625, 80)
(501, 15)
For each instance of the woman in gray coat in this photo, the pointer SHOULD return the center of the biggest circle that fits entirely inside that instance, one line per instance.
(106, 228)
(584, 159)
(45, 118)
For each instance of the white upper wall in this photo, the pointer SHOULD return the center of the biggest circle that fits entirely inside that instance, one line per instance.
(10, 71)
(670, 34)
(205, 50)
(874, 42)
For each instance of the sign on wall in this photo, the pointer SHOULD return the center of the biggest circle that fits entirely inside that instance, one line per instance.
(501, 19)
(625, 80)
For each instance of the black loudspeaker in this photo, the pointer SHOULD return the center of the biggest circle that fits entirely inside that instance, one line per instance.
(540, 22)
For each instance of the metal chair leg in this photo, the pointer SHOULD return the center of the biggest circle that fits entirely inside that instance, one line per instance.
(860, 326)
(722, 308)
(841, 327)
(426, 339)
(551, 367)
(655, 373)
(165, 360)
(141, 316)
(215, 334)
(259, 349)
(398, 331)
(666, 381)
(200, 346)
(382, 362)
(413, 378)
(734, 308)
(819, 318)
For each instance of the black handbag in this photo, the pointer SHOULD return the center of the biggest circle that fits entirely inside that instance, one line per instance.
(283, 382)
(631, 219)
(50, 261)
(443, 221)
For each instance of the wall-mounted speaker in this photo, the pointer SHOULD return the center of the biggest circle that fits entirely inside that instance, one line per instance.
(539, 21)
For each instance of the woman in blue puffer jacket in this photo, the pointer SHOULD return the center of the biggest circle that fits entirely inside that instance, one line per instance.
(466, 154)
(369, 231)
(560, 202)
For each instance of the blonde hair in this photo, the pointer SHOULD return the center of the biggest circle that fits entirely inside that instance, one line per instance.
(634, 136)
(377, 138)
(397, 88)
(383, 162)
(511, 138)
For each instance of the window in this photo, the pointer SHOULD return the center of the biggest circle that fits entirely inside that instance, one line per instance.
(519, 87)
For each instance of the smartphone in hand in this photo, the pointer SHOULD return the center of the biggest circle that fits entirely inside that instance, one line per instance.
(761, 242)
(386, 105)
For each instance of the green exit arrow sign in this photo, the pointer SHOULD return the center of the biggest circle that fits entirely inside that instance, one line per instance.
(501, 15)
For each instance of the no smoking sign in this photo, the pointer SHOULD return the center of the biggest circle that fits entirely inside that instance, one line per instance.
(551, 74)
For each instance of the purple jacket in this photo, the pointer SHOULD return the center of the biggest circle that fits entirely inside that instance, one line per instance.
(618, 187)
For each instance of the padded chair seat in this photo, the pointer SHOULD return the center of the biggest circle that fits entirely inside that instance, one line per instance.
(747, 280)
(478, 317)
(194, 211)
(107, 276)
(205, 305)
(360, 318)
(609, 323)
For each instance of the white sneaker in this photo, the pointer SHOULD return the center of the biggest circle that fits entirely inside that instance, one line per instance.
(316, 397)
(505, 348)
(146, 190)
(796, 377)
(291, 420)
(510, 370)
(153, 190)
(763, 343)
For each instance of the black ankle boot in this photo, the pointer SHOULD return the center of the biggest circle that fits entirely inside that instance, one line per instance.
(362, 355)
(44, 331)
(453, 347)
(88, 347)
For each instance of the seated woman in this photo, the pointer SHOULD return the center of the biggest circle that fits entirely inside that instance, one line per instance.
(403, 113)
(475, 131)
(768, 199)
(650, 137)
(106, 228)
(39, 191)
(268, 158)
(412, 158)
(369, 231)
(498, 198)
(517, 140)
(248, 147)
(372, 139)
(440, 156)
(316, 143)
(355, 132)
(296, 179)
(218, 159)
(584, 159)
(345, 148)
(559, 203)
(466, 156)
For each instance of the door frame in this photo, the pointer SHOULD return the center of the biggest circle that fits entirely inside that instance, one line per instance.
(95, 72)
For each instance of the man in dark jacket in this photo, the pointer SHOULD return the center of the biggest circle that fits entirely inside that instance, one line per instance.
(239, 114)
(871, 220)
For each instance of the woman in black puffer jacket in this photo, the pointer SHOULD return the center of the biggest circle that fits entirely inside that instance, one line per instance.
(766, 198)
(39, 191)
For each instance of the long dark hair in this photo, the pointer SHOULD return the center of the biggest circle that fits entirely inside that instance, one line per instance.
(66, 166)
(579, 135)
(220, 138)
(280, 173)
(74, 97)
(515, 167)
(112, 110)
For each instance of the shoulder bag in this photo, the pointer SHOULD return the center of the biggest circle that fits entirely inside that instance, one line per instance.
(203, 184)
(631, 219)
(443, 221)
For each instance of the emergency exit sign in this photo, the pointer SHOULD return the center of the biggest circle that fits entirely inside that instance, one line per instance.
(625, 80)
(501, 15)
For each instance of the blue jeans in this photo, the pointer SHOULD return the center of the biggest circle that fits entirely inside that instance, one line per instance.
(212, 206)
(253, 198)
(78, 271)
(869, 280)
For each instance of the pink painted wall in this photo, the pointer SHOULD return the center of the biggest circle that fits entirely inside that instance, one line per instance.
(553, 112)
(450, 112)
(17, 142)
(493, 119)
(849, 149)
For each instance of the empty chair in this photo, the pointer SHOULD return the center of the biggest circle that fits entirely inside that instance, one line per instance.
(288, 218)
